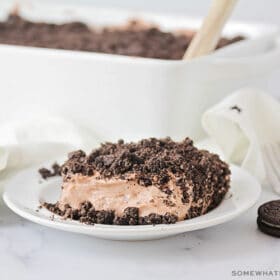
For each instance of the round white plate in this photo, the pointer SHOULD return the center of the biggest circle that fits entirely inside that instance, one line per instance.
(24, 192)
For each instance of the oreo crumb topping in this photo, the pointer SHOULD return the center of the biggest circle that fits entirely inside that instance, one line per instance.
(47, 173)
(88, 215)
(131, 40)
(153, 162)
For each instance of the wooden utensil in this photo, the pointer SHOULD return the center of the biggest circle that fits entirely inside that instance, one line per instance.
(206, 39)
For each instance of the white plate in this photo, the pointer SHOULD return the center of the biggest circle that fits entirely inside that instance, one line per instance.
(24, 191)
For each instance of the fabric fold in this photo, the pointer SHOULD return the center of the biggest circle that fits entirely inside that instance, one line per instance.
(35, 140)
(241, 125)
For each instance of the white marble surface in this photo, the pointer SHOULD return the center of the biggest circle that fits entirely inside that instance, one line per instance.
(29, 251)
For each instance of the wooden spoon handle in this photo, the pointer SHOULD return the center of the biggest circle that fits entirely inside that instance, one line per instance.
(206, 39)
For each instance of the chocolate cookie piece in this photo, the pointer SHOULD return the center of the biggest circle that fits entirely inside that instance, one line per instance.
(270, 230)
(269, 218)
(47, 173)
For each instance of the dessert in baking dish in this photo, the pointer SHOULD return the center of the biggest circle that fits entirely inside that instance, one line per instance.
(153, 181)
(135, 39)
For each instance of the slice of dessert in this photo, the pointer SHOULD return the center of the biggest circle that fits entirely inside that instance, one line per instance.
(153, 181)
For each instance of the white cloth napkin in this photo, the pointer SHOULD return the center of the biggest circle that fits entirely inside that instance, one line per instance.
(35, 140)
(241, 125)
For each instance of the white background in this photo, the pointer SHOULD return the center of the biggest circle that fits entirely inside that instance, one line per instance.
(256, 10)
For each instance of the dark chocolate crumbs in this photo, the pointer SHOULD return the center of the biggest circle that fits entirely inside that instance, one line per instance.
(88, 215)
(47, 173)
(132, 40)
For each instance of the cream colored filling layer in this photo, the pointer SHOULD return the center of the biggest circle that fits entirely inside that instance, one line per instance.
(116, 195)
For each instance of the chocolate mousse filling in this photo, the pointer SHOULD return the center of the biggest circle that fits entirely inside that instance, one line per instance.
(153, 181)
(134, 39)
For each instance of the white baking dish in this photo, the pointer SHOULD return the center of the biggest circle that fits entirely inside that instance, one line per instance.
(125, 97)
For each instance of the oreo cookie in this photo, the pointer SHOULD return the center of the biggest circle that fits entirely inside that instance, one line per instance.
(269, 218)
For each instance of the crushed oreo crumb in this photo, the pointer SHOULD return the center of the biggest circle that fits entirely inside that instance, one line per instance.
(88, 215)
(47, 173)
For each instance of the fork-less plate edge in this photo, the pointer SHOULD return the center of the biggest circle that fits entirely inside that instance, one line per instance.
(245, 192)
